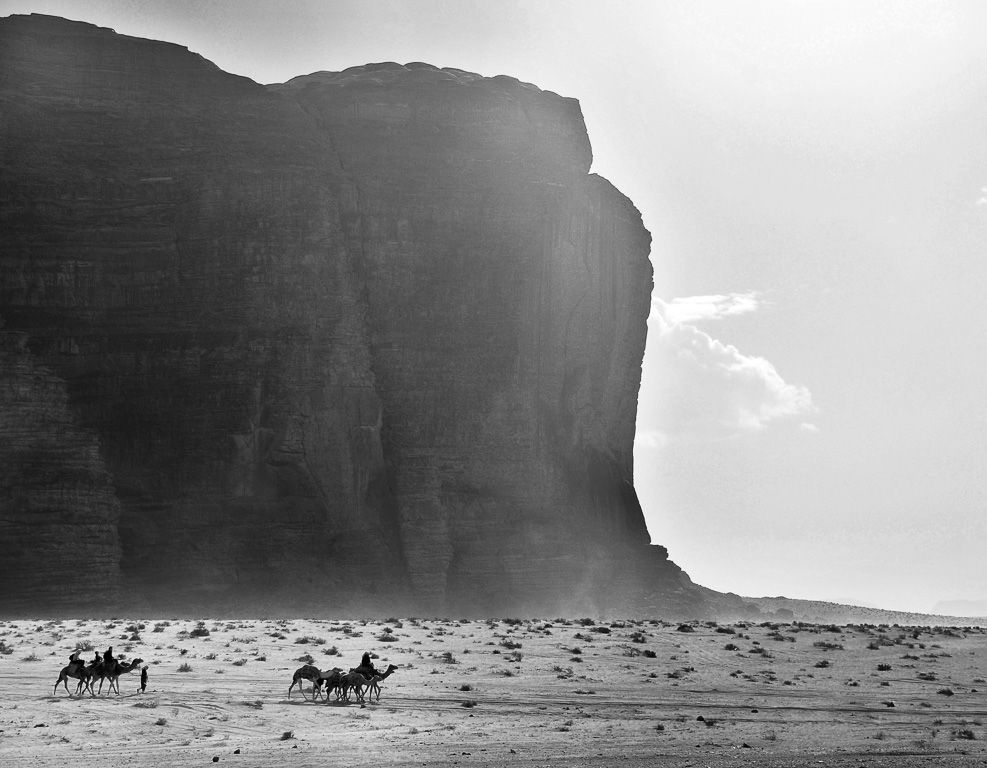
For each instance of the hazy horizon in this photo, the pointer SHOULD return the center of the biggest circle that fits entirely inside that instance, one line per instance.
(813, 174)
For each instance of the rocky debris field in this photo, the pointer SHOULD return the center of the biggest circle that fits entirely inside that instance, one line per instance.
(500, 692)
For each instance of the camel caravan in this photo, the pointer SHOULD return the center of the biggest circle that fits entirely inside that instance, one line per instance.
(105, 668)
(359, 680)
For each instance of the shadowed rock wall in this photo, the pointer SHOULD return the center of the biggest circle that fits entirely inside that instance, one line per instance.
(361, 341)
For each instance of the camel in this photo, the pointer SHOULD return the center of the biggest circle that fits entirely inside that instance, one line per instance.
(78, 671)
(377, 678)
(112, 673)
(311, 673)
(328, 683)
(357, 682)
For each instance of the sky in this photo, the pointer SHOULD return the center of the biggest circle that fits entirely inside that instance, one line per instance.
(812, 420)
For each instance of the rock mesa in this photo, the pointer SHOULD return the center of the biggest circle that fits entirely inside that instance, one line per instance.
(365, 340)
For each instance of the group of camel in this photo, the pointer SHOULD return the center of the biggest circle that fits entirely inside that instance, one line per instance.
(88, 674)
(359, 680)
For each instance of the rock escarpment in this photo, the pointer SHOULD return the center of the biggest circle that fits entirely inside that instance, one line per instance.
(363, 340)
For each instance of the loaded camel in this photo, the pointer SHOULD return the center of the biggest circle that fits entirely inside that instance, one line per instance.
(314, 675)
(78, 671)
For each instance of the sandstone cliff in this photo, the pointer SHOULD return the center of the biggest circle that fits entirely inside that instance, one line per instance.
(364, 340)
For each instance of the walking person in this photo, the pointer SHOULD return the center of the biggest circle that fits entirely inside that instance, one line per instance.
(143, 678)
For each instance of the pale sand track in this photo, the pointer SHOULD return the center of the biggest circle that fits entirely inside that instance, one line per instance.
(615, 706)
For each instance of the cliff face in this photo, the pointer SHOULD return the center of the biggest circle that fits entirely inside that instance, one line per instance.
(361, 340)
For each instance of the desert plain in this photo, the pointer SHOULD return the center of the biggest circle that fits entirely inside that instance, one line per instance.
(512, 692)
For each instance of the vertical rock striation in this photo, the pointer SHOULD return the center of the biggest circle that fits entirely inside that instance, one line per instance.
(59, 510)
(366, 339)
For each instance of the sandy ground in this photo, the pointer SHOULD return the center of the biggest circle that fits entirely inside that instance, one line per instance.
(513, 693)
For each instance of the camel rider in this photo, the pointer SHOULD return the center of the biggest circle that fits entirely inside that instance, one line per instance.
(74, 658)
(108, 656)
(367, 666)
(96, 659)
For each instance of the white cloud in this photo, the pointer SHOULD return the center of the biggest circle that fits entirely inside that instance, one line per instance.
(715, 307)
(708, 390)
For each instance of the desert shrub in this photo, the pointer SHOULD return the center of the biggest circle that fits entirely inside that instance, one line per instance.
(827, 646)
(726, 630)
(649, 654)
(883, 667)
(449, 658)
(684, 628)
(563, 673)
(469, 703)
(5, 649)
(185, 668)
(287, 735)
(514, 656)
(332, 650)
(638, 637)
(200, 630)
(161, 721)
(927, 676)
(964, 733)
(945, 692)
(731, 647)
(239, 662)
(602, 630)
(31, 657)
(306, 658)
(466, 687)
(511, 644)
(822, 664)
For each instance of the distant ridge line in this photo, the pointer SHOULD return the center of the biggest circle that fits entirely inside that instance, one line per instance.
(822, 612)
